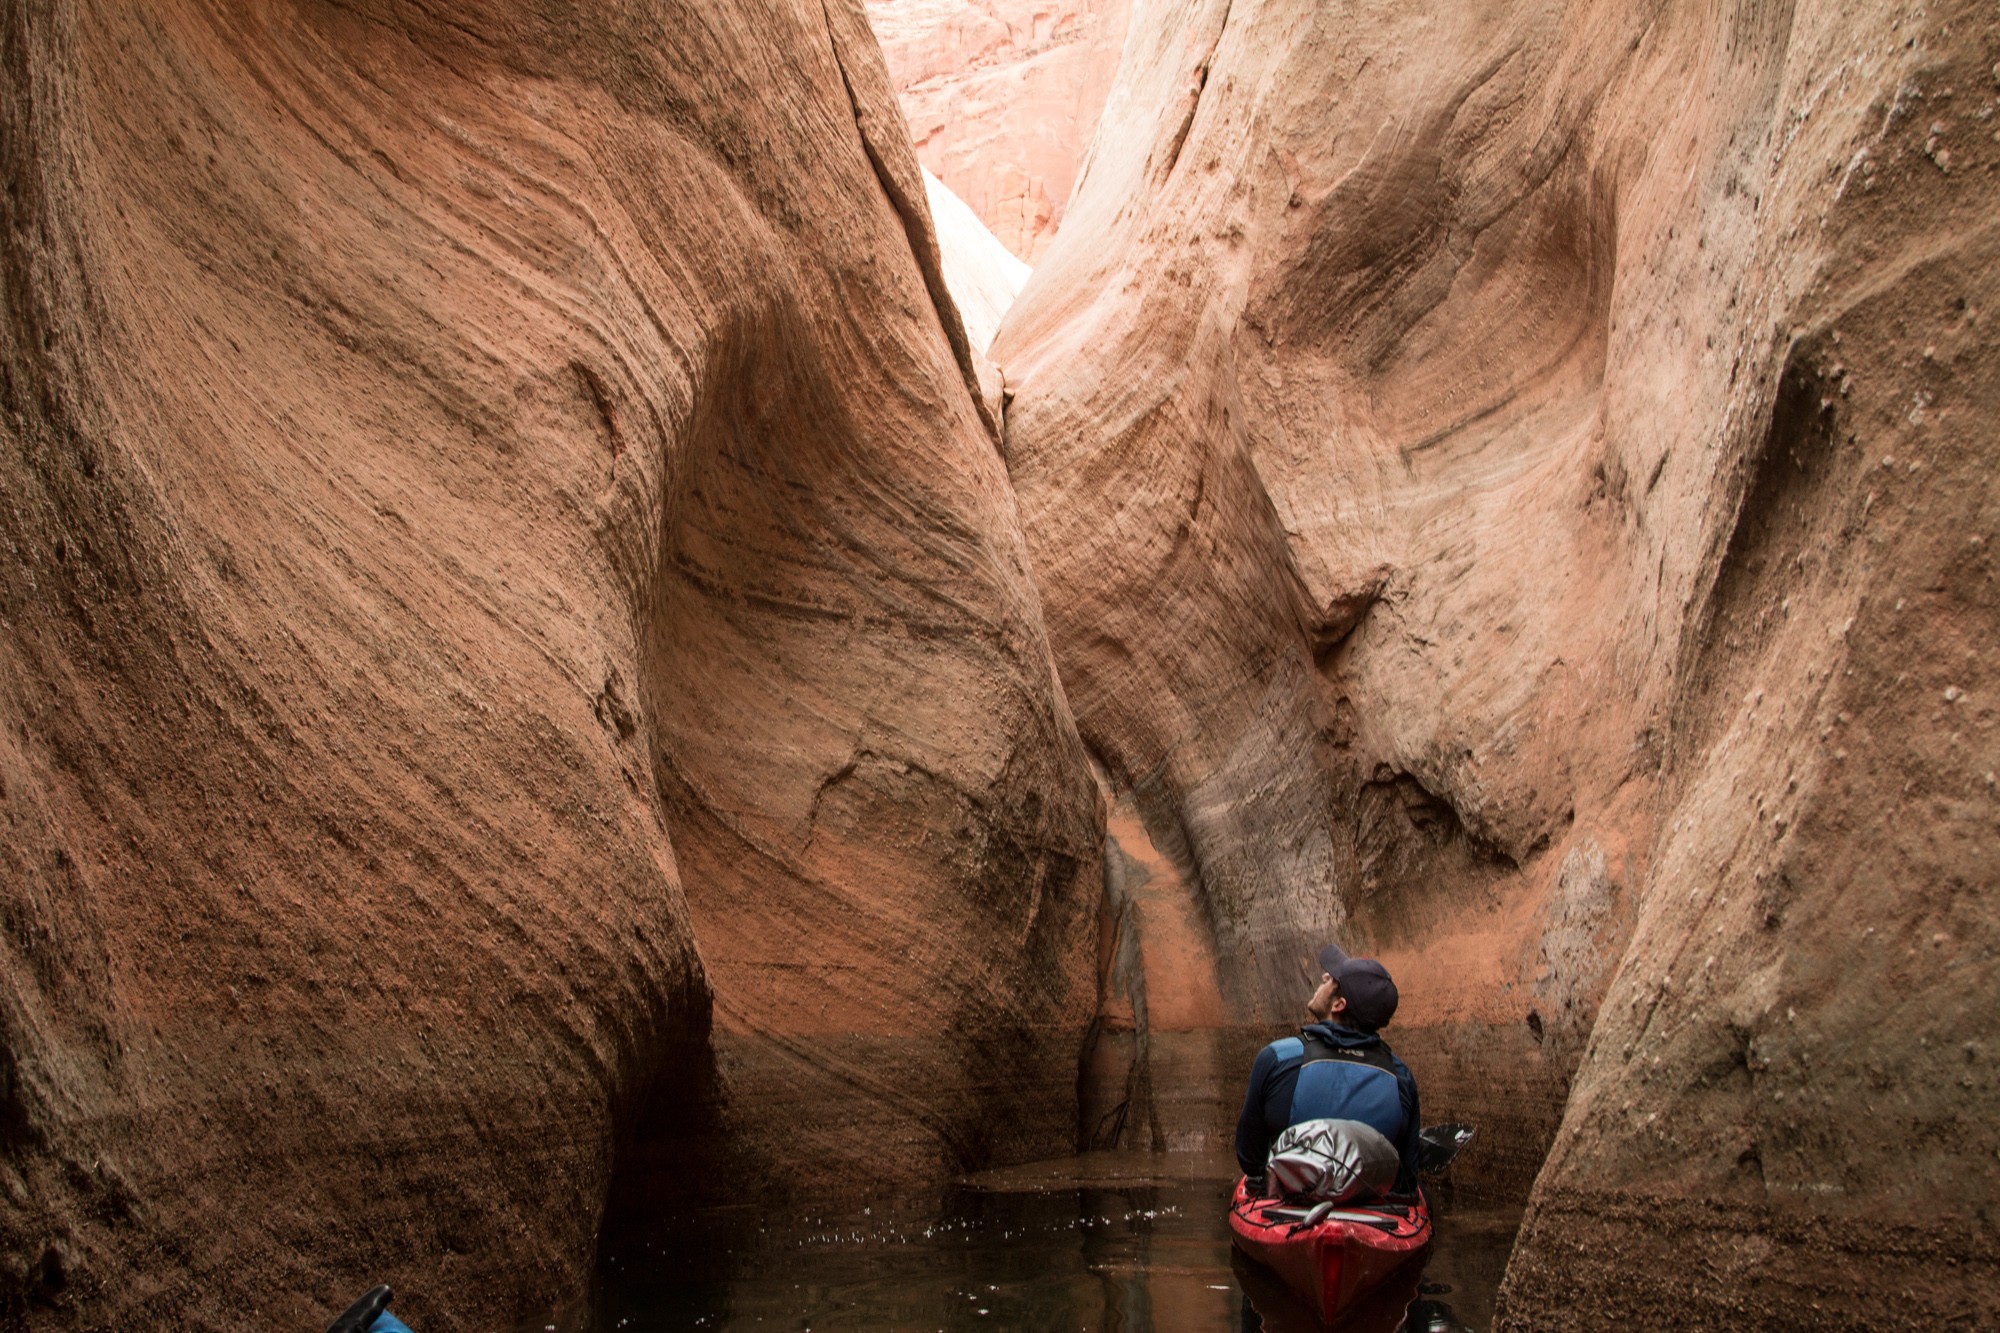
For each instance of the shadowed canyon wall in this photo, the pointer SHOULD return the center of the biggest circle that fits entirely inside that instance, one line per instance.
(1511, 488)
(1001, 98)
(516, 648)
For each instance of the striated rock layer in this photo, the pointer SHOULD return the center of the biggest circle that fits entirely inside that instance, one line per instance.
(1001, 98)
(503, 551)
(1512, 486)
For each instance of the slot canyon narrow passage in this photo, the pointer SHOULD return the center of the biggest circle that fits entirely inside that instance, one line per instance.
(679, 666)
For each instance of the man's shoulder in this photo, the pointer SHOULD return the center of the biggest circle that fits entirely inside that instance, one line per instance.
(1285, 1048)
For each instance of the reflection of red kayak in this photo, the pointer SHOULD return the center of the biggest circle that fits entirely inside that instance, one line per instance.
(1331, 1255)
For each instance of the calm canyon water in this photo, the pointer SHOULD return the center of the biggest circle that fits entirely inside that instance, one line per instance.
(1103, 1241)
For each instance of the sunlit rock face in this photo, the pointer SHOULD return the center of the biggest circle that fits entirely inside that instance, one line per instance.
(506, 575)
(982, 275)
(1001, 97)
(1512, 487)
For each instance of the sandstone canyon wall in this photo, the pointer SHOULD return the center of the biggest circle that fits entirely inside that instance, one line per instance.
(516, 648)
(1001, 98)
(1512, 486)
(982, 275)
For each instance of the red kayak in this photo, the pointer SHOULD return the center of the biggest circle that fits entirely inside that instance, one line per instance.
(1333, 1256)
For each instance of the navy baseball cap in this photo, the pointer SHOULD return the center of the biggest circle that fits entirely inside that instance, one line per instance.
(1364, 984)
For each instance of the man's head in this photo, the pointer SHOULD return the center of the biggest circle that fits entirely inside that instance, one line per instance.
(1354, 991)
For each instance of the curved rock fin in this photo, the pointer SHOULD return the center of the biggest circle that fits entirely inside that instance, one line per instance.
(887, 143)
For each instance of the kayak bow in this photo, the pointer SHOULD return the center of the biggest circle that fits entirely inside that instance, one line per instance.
(1331, 1255)
(1334, 1255)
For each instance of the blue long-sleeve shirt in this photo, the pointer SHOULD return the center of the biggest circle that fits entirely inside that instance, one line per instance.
(1285, 1089)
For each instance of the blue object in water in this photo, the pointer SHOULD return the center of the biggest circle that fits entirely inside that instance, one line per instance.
(388, 1323)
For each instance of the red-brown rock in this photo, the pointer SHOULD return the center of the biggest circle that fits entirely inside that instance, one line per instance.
(1512, 486)
(501, 549)
(1002, 96)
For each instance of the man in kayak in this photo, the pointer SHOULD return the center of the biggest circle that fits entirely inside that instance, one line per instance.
(1337, 1068)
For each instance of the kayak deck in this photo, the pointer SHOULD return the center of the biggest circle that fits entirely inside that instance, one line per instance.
(1331, 1256)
